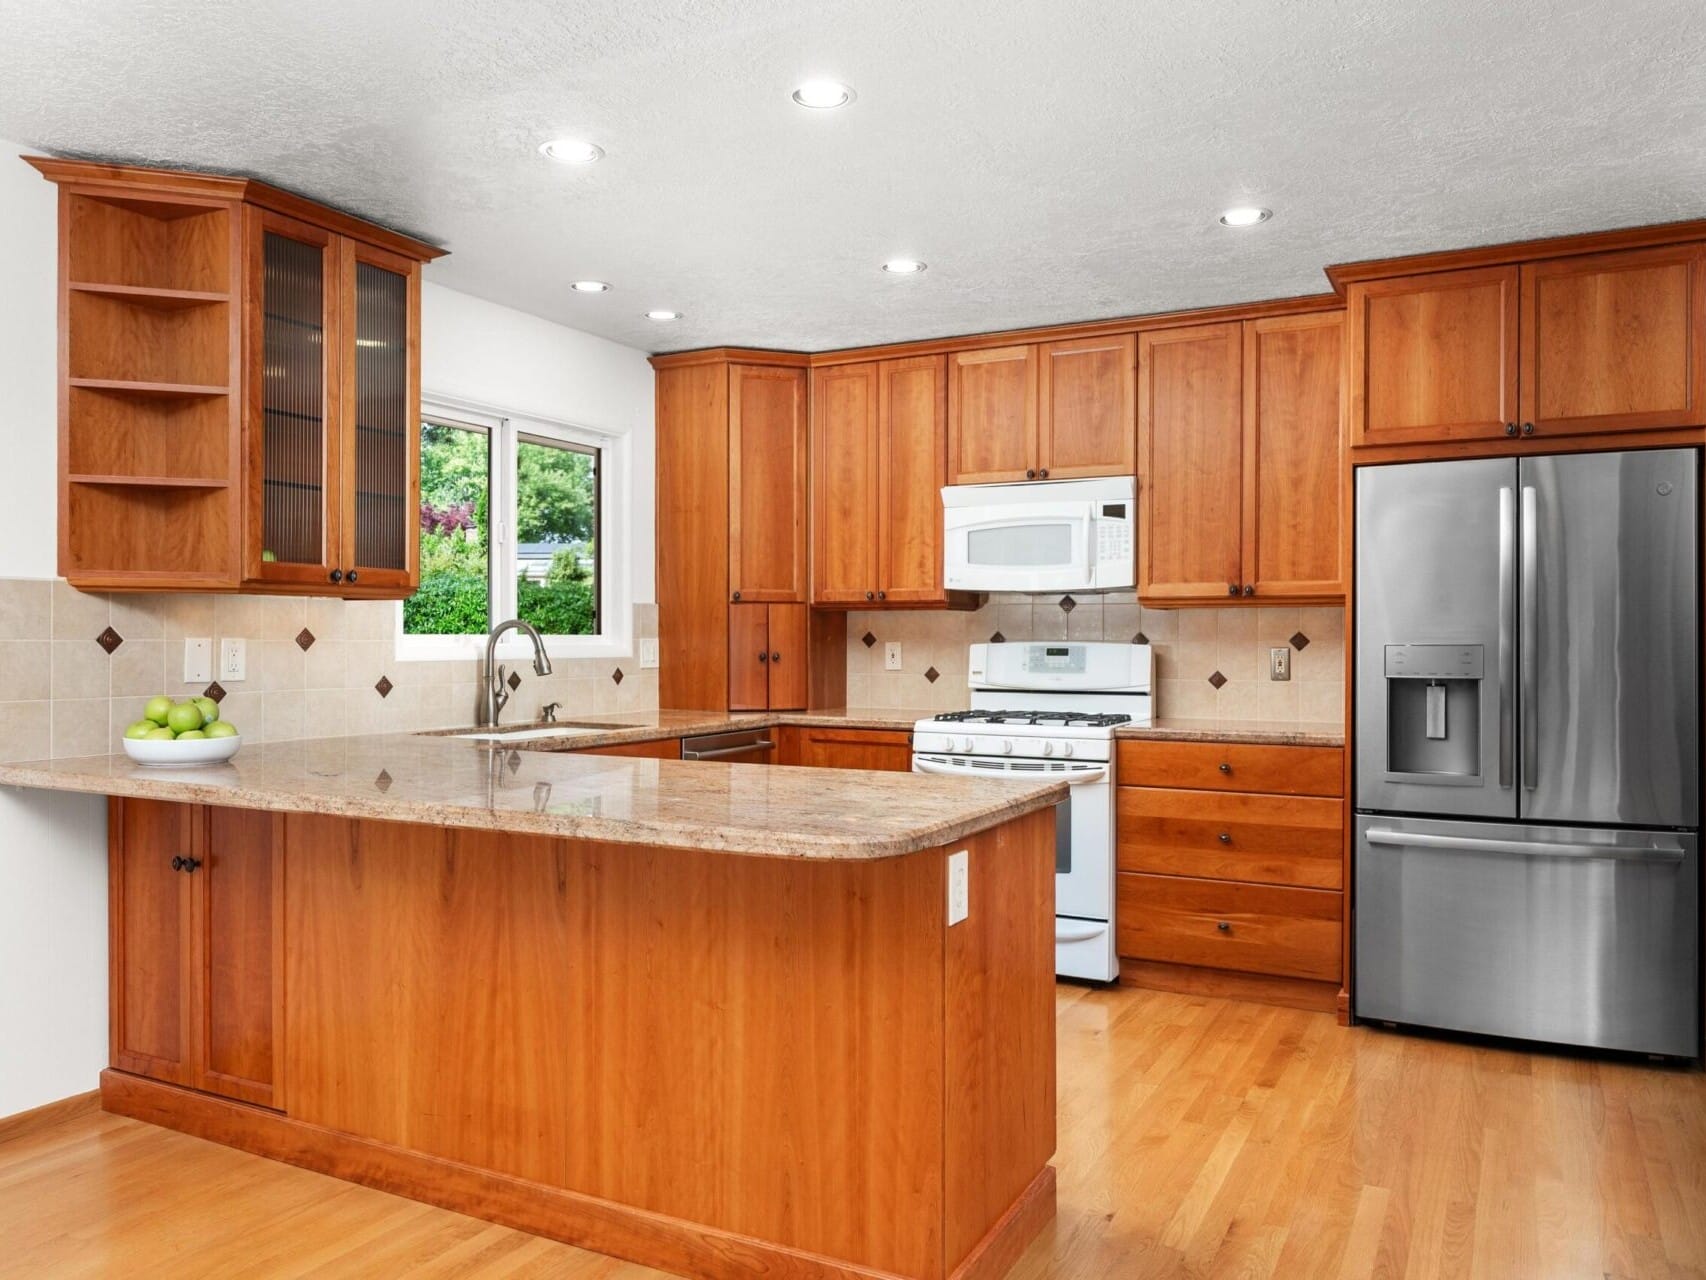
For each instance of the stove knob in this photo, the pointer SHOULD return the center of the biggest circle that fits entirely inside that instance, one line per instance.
(947, 744)
(1066, 748)
(1048, 748)
(1007, 746)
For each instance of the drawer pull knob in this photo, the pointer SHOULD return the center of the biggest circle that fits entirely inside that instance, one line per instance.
(1225, 767)
(1225, 837)
(1224, 926)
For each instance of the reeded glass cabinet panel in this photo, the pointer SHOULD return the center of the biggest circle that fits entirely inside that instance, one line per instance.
(381, 516)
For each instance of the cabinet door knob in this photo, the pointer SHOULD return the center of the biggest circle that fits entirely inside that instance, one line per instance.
(870, 595)
(336, 575)
(1225, 926)
(1225, 837)
(185, 864)
(1231, 588)
(1510, 428)
(1030, 473)
(1528, 428)
(882, 595)
(763, 657)
(350, 576)
(774, 656)
(177, 863)
(737, 595)
(1225, 767)
(1249, 588)
(1043, 474)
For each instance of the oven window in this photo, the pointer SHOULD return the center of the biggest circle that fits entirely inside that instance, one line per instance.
(1021, 545)
(1063, 837)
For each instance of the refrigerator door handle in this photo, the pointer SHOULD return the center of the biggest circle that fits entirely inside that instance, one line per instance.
(1529, 660)
(1507, 643)
(1656, 852)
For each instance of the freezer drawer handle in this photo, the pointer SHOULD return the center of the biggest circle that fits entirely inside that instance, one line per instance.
(1529, 848)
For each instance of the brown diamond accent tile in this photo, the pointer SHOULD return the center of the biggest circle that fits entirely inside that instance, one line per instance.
(867, 639)
(1217, 679)
(512, 762)
(616, 675)
(384, 686)
(1140, 638)
(997, 638)
(1300, 641)
(216, 691)
(932, 675)
(109, 639)
(305, 639)
(514, 681)
(1067, 604)
(383, 781)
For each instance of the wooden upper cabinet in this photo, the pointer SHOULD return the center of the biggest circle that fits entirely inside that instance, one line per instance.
(1434, 357)
(1294, 460)
(845, 465)
(1190, 502)
(1614, 341)
(992, 415)
(1087, 394)
(240, 388)
(769, 657)
(912, 450)
(767, 483)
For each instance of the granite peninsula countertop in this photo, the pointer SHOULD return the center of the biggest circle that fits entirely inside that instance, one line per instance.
(1279, 733)
(757, 809)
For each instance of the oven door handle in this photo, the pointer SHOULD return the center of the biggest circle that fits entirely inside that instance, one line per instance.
(1074, 779)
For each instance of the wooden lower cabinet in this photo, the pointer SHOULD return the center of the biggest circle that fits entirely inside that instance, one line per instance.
(1230, 862)
(888, 750)
(197, 946)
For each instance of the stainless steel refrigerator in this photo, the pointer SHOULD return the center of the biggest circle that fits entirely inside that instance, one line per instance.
(1527, 739)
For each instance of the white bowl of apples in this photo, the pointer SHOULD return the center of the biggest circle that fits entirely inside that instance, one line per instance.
(180, 733)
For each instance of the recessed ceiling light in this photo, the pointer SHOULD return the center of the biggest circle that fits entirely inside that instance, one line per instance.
(571, 151)
(663, 315)
(1245, 216)
(823, 95)
(590, 286)
(903, 266)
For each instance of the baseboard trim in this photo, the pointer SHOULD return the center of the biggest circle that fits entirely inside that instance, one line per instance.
(1258, 988)
(49, 1114)
(603, 1226)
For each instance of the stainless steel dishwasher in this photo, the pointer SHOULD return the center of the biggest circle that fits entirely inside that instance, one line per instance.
(737, 746)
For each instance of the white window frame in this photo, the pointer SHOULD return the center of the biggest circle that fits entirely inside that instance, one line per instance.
(615, 535)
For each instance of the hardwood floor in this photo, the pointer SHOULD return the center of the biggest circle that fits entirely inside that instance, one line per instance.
(1198, 1137)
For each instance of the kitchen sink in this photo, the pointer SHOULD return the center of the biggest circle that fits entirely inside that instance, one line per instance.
(528, 733)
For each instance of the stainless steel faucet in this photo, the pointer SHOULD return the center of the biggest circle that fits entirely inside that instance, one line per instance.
(497, 692)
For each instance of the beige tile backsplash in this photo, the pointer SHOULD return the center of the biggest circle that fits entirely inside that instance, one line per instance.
(1191, 646)
(62, 694)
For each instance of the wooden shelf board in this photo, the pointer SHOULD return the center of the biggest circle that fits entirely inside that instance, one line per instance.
(156, 299)
(152, 482)
(147, 388)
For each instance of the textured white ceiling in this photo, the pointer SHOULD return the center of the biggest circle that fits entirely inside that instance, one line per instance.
(1050, 161)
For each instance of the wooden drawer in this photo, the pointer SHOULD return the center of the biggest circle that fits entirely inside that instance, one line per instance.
(1295, 840)
(1252, 928)
(657, 749)
(1232, 766)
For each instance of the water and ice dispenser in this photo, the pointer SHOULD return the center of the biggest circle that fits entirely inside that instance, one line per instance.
(1433, 712)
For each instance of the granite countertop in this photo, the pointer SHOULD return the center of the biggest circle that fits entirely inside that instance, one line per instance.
(1282, 733)
(649, 726)
(764, 810)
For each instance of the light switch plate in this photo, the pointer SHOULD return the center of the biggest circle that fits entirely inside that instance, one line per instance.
(959, 886)
(891, 656)
(198, 659)
(233, 658)
(648, 653)
(1279, 663)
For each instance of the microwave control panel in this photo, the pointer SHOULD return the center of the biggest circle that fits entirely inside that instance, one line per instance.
(1113, 531)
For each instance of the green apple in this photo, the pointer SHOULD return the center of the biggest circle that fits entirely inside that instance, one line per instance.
(209, 709)
(221, 729)
(157, 709)
(161, 735)
(269, 557)
(184, 717)
(190, 733)
(141, 729)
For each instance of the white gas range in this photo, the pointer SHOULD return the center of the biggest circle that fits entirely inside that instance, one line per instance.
(1049, 710)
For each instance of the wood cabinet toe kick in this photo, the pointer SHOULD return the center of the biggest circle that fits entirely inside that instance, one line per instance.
(721, 1066)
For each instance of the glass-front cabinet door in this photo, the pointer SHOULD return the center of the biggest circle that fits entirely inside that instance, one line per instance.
(291, 536)
(381, 419)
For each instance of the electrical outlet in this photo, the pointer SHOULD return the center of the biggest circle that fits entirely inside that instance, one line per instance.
(233, 658)
(959, 886)
(198, 659)
(891, 656)
(648, 653)
(1279, 663)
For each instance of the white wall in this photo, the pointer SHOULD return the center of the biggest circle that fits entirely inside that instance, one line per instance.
(53, 952)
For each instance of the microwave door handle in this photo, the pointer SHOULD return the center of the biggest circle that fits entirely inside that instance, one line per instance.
(1507, 643)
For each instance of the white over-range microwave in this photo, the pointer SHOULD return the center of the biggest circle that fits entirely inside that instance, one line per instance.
(1059, 535)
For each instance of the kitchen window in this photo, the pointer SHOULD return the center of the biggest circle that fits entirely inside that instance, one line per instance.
(516, 520)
